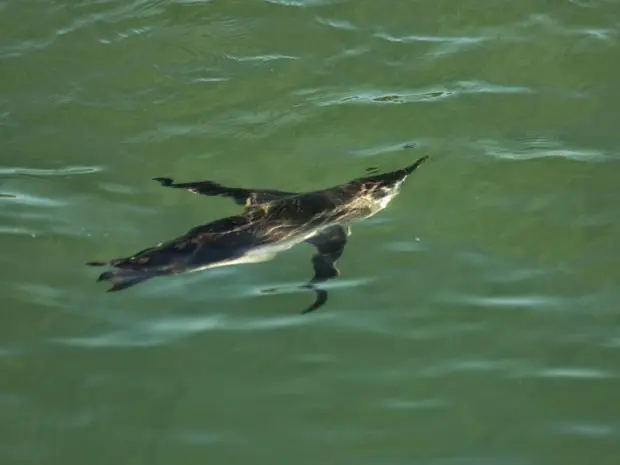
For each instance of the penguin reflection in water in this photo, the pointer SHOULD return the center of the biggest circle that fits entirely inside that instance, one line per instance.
(272, 221)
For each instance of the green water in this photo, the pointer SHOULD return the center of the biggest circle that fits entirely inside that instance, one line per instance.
(476, 320)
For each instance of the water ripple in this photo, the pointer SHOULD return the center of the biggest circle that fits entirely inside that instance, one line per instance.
(23, 47)
(372, 96)
(574, 373)
(126, 11)
(289, 287)
(192, 2)
(126, 34)
(35, 200)
(65, 171)
(591, 430)
(8, 352)
(384, 149)
(411, 404)
(536, 148)
(261, 58)
(505, 366)
(165, 330)
(303, 3)
(423, 38)
(198, 437)
(337, 24)
(510, 301)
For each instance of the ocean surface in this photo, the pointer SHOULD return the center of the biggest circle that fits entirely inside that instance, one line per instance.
(476, 320)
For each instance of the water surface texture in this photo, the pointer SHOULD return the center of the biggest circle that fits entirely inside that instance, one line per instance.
(477, 319)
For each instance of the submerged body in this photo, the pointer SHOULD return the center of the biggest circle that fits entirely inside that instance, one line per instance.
(273, 221)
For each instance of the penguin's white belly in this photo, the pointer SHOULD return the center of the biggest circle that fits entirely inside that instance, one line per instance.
(261, 253)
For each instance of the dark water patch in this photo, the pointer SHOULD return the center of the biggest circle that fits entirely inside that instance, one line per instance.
(206, 438)
(371, 322)
(344, 435)
(482, 459)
